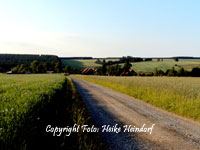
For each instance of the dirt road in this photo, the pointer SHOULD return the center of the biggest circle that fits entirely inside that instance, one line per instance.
(111, 108)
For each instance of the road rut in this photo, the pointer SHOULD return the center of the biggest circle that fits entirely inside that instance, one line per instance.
(108, 107)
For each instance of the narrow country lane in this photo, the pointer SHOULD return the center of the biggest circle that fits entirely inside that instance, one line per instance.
(109, 107)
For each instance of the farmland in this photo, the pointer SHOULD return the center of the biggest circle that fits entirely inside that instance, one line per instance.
(179, 95)
(148, 66)
(81, 63)
(20, 95)
(28, 103)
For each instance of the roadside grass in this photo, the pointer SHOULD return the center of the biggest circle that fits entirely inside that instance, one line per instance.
(28, 103)
(180, 95)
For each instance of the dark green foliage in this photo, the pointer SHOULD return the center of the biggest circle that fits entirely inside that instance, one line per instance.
(147, 59)
(67, 70)
(181, 72)
(104, 69)
(8, 61)
(127, 65)
(176, 59)
(130, 59)
(98, 61)
(155, 72)
(195, 72)
(58, 67)
(20, 69)
(1, 70)
(158, 72)
(34, 66)
(48, 66)
(113, 70)
(37, 67)
(104, 61)
(172, 72)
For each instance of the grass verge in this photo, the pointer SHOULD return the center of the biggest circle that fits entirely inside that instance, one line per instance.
(180, 95)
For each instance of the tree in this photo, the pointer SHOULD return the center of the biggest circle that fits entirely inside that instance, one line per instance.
(195, 72)
(98, 61)
(172, 72)
(58, 67)
(127, 65)
(104, 61)
(104, 69)
(40, 69)
(1, 69)
(47, 66)
(181, 72)
(34, 66)
(161, 73)
(117, 70)
(67, 69)
(22, 68)
(15, 69)
(176, 59)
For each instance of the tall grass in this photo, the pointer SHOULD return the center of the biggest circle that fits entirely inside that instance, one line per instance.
(180, 95)
(28, 103)
(21, 97)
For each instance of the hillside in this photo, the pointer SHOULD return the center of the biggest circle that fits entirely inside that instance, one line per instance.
(146, 66)
(150, 66)
(81, 63)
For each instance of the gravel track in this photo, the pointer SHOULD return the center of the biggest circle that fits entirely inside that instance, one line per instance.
(108, 107)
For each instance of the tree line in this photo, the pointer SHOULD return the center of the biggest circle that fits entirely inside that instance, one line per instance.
(181, 72)
(37, 67)
(8, 61)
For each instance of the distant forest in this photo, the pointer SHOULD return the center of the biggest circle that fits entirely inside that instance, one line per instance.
(8, 61)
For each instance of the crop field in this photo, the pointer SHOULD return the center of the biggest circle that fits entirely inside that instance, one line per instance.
(81, 63)
(19, 95)
(180, 95)
(28, 103)
(150, 66)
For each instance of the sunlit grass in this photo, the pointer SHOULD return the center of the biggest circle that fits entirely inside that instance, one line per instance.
(28, 103)
(150, 66)
(81, 63)
(180, 95)
(21, 96)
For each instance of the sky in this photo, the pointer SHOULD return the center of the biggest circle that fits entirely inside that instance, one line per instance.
(101, 28)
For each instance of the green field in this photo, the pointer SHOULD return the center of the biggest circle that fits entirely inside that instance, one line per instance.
(148, 66)
(180, 95)
(28, 103)
(81, 63)
(21, 97)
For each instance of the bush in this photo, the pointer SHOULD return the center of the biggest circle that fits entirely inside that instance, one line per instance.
(195, 72)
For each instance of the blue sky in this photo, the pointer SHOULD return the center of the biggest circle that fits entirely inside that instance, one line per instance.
(100, 28)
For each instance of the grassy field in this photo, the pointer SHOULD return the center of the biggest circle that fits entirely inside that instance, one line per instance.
(148, 66)
(21, 97)
(28, 103)
(164, 65)
(179, 95)
(81, 63)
